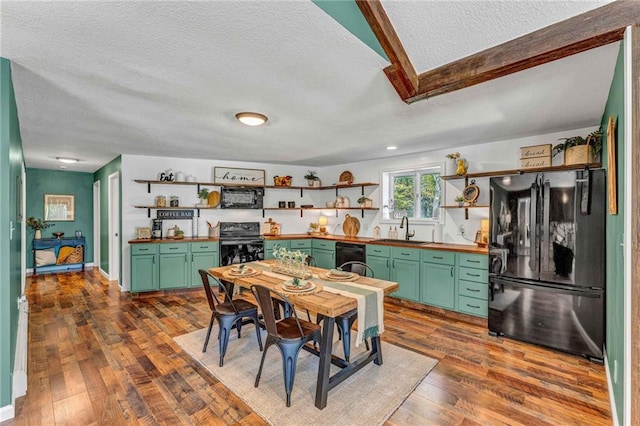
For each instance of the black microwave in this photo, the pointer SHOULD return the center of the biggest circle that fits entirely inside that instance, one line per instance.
(241, 197)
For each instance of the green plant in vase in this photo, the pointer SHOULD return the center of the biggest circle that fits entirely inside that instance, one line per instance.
(460, 200)
(38, 225)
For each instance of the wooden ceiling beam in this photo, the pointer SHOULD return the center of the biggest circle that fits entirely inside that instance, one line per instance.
(589, 30)
(401, 72)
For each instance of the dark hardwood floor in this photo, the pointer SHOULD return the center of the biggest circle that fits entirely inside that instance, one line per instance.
(97, 356)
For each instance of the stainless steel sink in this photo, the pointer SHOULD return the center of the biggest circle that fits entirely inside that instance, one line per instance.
(393, 240)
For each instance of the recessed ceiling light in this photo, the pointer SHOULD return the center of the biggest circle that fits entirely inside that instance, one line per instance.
(391, 148)
(67, 160)
(251, 118)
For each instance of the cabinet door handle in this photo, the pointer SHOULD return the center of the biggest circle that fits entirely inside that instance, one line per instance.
(192, 257)
(473, 275)
(475, 290)
(154, 259)
(205, 247)
(387, 263)
(452, 272)
(473, 261)
(143, 249)
(173, 248)
(185, 258)
(393, 263)
(473, 306)
(437, 257)
(405, 254)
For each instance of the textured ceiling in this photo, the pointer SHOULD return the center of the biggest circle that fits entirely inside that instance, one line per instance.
(97, 79)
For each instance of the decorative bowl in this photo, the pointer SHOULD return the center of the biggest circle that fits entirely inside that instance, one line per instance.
(58, 234)
(330, 204)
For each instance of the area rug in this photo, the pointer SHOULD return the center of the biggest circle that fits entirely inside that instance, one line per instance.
(368, 397)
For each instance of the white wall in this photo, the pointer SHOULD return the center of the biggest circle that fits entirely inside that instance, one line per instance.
(487, 157)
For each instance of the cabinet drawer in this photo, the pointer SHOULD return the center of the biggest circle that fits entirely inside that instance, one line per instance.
(144, 249)
(479, 261)
(323, 244)
(405, 253)
(473, 289)
(300, 244)
(477, 275)
(174, 248)
(376, 250)
(203, 247)
(442, 257)
(472, 306)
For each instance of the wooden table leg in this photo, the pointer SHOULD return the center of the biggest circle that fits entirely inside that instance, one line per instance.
(376, 348)
(324, 366)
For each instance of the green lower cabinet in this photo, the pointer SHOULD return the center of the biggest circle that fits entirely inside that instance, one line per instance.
(381, 267)
(438, 285)
(144, 272)
(473, 284)
(144, 267)
(405, 270)
(204, 255)
(324, 258)
(174, 271)
(269, 245)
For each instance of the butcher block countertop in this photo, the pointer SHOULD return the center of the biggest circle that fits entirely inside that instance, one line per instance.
(462, 248)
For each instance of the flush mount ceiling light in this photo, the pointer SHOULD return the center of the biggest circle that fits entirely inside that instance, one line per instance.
(391, 148)
(67, 160)
(251, 118)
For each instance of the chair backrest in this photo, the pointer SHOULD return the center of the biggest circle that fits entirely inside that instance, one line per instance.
(357, 267)
(311, 261)
(264, 297)
(211, 297)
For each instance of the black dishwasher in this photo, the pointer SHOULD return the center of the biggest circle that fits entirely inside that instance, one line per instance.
(347, 252)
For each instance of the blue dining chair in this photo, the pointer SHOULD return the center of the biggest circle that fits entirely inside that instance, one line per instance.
(289, 334)
(229, 313)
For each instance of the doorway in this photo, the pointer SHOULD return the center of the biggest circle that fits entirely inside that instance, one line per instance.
(114, 227)
(96, 227)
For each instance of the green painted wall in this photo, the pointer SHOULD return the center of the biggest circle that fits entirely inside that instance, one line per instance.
(43, 181)
(102, 175)
(615, 229)
(347, 14)
(11, 162)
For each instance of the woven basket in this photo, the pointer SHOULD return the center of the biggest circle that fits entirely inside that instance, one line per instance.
(76, 256)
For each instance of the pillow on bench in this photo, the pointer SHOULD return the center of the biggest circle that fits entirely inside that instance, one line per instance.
(45, 257)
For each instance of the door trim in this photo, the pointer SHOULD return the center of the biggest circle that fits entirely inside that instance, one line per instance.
(114, 226)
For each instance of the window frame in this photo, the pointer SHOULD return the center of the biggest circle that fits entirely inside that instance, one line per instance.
(386, 179)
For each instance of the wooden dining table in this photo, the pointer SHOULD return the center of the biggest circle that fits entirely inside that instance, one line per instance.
(330, 305)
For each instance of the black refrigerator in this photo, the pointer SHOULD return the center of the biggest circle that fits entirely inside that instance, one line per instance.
(547, 260)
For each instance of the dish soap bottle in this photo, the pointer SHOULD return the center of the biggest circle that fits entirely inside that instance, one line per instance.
(390, 233)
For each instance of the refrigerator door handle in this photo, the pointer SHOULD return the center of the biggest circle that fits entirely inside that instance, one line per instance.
(533, 217)
(546, 230)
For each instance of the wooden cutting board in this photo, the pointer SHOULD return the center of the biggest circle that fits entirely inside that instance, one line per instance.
(351, 226)
(214, 199)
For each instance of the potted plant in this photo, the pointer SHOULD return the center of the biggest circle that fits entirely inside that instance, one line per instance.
(203, 195)
(579, 150)
(312, 178)
(365, 202)
(38, 225)
(460, 200)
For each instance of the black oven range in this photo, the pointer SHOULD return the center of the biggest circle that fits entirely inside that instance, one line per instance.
(240, 242)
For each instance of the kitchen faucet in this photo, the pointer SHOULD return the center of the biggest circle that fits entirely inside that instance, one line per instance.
(407, 234)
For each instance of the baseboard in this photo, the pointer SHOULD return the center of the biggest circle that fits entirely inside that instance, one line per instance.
(103, 273)
(20, 363)
(7, 413)
(612, 401)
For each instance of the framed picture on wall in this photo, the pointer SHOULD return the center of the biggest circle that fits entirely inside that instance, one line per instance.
(59, 207)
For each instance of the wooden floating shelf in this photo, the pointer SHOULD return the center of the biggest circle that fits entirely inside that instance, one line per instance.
(521, 171)
(466, 207)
